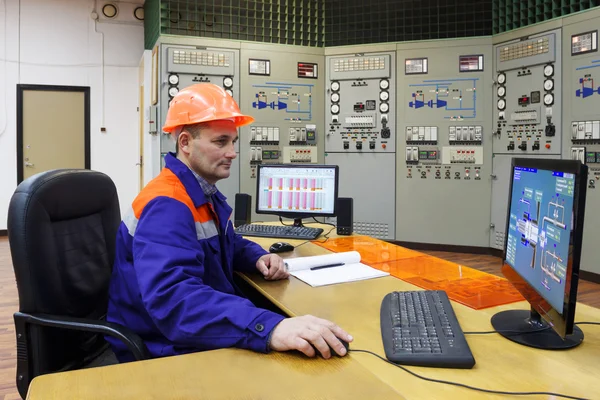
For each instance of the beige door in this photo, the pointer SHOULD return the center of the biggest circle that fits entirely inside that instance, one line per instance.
(141, 119)
(53, 130)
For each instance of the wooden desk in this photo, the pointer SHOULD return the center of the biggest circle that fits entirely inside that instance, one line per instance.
(219, 374)
(500, 363)
(230, 374)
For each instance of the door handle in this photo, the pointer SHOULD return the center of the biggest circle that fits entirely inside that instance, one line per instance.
(28, 164)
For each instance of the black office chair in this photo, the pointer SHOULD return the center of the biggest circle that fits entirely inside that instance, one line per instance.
(62, 227)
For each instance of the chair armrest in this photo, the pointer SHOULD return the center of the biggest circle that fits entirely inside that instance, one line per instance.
(133, 342)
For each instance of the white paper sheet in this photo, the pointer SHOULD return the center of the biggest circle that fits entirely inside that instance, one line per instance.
(352, 270)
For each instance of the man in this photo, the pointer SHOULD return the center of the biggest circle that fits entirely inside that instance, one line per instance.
(177, 251)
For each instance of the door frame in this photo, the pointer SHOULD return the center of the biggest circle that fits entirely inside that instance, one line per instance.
(23, 87)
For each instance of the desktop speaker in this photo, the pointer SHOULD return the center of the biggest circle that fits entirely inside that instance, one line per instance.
(243, 209)
(345, 217)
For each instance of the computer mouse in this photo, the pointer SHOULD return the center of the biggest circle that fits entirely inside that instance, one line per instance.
(331, 350)
(280, 247)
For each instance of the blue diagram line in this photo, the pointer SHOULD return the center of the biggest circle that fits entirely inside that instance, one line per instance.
(589, 66)
(451, 80)
(293, 84)
(595, 61)
(273, 87)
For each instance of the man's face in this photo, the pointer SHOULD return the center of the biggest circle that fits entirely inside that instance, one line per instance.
(211, 153)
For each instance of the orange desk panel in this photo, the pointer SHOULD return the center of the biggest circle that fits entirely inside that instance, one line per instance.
(468, 286)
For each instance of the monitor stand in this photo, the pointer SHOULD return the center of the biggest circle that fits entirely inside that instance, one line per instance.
(529, 329)
(298, 222)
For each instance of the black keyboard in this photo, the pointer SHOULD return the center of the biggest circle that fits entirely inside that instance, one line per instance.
(420, 328)
(279, 231)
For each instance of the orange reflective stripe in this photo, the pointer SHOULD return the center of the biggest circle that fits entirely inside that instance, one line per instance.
(166, 184)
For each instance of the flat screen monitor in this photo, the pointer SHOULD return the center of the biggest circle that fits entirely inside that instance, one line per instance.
(297, 191)
(542, 251)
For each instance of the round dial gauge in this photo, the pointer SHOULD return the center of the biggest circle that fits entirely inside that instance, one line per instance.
(173, 91)
(501, 91)
(384, 84)
(548, 99)
(173, 79)
(548, 70)
(384, 107)
(335, 86)
(548, 84)
(384, 96)
(501, 79)
(335, 97)
(228, 82)
(229, 92)
(501, 104)
(335, 109)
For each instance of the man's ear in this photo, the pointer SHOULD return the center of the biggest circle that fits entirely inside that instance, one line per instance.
(184, 140)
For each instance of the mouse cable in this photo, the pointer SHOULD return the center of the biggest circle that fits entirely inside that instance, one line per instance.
(521, 333)
(462, 384)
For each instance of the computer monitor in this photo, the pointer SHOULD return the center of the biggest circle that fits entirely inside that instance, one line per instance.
(542, 251)
(297, 191)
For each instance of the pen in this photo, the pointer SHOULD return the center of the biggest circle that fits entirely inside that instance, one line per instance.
(327, 266)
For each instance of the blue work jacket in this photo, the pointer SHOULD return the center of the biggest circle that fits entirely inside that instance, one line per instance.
(172, 281)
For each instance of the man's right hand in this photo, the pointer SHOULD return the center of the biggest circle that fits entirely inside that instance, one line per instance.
(302, 333)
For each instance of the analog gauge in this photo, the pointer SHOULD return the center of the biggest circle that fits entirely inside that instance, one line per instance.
(173, 91)
(384, 96)
(229, 92)
(384, 84)
(384, 107)
(227, 82)
(501, 79)
(335, 86)
(501, 91)
(548, 99)
(173, 79)
(335, 97)
(548, 84)
(548, 70)
(335, 109)
(501, 104)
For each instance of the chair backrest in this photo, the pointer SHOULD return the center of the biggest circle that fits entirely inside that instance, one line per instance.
(62, 227)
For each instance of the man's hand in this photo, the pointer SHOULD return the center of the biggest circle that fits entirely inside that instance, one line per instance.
(272, 267)
(302, 333)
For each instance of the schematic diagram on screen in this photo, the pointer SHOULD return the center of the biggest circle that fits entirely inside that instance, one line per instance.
(542, 227)
(456, 97)
(292, 99)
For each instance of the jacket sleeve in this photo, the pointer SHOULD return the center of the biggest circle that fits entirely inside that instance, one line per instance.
(245, 254)
(168, 262)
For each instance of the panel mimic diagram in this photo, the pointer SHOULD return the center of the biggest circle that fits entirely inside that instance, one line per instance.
(587, 86)
(293, 99)
(456, 97)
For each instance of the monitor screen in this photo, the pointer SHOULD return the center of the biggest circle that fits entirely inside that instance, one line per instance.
(541, 208)
(542, 251)
(297, 191)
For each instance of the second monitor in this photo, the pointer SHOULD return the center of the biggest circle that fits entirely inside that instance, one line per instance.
(297, 191)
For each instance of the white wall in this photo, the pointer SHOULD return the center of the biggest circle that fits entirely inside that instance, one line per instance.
(53, 42)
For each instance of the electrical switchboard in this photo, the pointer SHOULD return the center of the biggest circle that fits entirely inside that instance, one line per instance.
(582, 123)
(444, 147)
(185, 65)
(528, 112)
(282, 90)
(361, 136)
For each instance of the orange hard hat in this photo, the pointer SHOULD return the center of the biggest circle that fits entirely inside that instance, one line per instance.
(203, 102)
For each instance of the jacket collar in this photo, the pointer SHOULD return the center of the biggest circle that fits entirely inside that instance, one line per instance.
(188, 180)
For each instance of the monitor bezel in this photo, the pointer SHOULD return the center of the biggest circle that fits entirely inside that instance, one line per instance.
(297, 215)
(561, 323)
